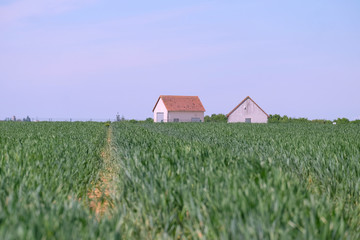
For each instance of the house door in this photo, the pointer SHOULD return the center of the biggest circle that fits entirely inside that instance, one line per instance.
(248, 120)
(160, 117)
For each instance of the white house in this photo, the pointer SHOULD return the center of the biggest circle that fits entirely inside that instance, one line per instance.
(247, 111)
(178, 109)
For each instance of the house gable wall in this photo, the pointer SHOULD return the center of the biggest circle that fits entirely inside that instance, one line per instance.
(248, 109)
(160, 107)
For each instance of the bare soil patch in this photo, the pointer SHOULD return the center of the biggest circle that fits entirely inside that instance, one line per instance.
(100, 196)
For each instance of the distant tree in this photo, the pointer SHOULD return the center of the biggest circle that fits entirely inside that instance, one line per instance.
(219, 117)
(274, 118)
(342, 121)
(149, 120)
(284, 119)
(215, 118)
(321, 121)
(357, 121)
(303, 120)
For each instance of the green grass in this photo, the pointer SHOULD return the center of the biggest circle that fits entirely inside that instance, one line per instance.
(181, 180)
(45, 168)
(239, 181)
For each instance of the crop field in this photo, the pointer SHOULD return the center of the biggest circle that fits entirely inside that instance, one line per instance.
(179, 181)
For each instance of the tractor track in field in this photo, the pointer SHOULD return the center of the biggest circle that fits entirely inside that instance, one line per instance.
(100, 200)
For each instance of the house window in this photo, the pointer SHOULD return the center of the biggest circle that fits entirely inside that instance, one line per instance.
(248, 120)
(195, 119)
(176, 120)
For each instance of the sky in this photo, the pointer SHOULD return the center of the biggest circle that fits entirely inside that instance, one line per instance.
(92, 59)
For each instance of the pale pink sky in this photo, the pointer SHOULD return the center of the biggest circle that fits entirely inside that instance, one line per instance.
(91, 59)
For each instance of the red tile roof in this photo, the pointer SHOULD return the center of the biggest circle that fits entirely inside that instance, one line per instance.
(181, 103)
(242, 103)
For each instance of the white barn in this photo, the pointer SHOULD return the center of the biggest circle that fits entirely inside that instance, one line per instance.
(178, 109)
(247, 111)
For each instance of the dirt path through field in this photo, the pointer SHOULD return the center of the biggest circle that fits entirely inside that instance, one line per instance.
(100, 200)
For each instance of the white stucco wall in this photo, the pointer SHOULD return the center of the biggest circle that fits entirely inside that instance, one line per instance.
(185, 116)
(160, 107)
(248, 110)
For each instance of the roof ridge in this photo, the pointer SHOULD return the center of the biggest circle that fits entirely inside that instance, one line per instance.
(189, 103)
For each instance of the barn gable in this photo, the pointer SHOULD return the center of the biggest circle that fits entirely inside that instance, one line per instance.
(248, 111)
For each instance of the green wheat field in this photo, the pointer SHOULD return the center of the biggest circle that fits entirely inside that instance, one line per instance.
(179, 181)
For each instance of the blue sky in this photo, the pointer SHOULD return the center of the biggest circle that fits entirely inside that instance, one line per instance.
(85, 59)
